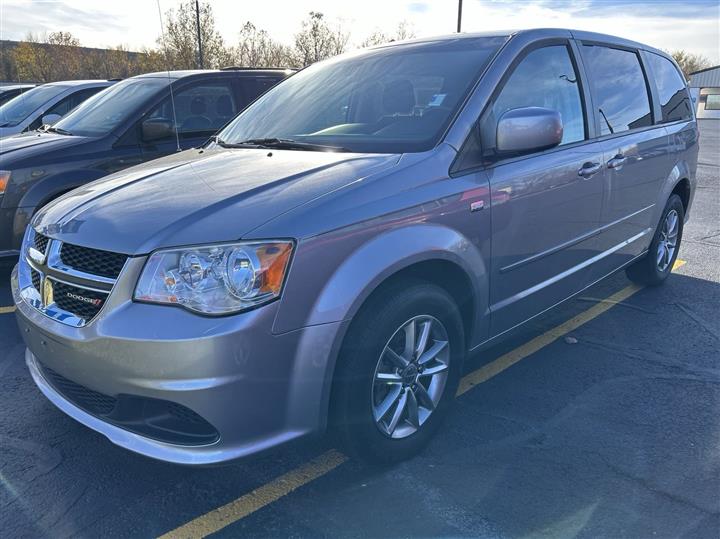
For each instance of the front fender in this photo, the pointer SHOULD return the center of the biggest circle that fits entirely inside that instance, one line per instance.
(332, 299)
(373, 262)
(50, 187)
(332, 275)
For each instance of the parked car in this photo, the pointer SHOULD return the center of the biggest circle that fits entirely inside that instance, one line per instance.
(45, 104)
(137, 120)
(332, 256)
(13, 90)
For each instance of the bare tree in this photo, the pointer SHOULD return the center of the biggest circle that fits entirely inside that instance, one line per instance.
(690, 62)
(180, 42)
(378, 37)
(257, 49)
(318, 41)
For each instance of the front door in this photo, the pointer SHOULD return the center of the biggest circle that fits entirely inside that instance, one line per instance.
(196, 111)
(546, 206)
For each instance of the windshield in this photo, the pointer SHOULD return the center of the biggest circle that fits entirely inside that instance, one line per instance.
(387, 100)
(17, 109)
(103, 112)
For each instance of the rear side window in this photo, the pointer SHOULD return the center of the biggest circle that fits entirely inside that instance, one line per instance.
(546, 78)
(712, 102)
(672, 91)
(620, 92)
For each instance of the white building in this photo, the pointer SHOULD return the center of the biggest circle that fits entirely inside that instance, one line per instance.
(705, 90)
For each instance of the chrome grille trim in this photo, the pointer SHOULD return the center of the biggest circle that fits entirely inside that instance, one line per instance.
(37, 278)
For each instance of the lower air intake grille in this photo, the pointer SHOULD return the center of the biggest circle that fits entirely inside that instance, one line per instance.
(155, 418)
(87, 399)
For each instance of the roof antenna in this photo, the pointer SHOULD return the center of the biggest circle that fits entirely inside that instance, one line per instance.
(167, 65)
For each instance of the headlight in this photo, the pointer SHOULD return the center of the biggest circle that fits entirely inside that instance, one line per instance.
(216, 279)
(4, 180)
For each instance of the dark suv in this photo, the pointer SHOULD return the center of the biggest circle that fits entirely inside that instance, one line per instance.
(136, 120)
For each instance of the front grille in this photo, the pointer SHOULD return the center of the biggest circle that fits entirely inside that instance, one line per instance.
(40, 242)
(87, 399)
(36, 279)
(70, 298)
(94, 261)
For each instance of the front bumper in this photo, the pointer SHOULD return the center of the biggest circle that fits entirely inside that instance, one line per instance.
(257, 389)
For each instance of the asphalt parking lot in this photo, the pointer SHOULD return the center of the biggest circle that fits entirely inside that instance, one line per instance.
(600, 420)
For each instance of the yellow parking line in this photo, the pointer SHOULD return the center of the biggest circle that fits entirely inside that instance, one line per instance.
(234, 511)
(260, 497)
(7, 310)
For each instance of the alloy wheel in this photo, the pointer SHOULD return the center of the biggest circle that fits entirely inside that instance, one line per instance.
(668, 240)
(410, 376)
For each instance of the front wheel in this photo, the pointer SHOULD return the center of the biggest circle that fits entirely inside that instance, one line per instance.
(398, 372)
(657, 264)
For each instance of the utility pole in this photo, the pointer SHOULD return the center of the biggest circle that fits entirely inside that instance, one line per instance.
(199, 38)
(459, 26)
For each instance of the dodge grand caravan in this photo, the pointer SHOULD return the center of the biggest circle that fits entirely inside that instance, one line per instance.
(332, 255)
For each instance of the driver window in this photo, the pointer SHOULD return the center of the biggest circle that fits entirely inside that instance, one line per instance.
(546, 78)
(199, 110)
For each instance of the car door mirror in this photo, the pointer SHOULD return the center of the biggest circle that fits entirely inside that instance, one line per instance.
(528, 129)
(50, 119)
(156, 129)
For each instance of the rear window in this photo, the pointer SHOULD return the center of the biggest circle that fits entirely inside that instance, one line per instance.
(620, 92)
(672, 90)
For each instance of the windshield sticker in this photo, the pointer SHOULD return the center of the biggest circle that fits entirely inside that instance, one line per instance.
(437, 100)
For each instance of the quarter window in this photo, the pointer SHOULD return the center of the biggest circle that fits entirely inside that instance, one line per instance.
(672, 90)
(620, 91)
(546, 78)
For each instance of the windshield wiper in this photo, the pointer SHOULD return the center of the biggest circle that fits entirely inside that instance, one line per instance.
(281, 144)
(58, 130)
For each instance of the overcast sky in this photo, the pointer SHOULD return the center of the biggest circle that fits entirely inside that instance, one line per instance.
(693, 25)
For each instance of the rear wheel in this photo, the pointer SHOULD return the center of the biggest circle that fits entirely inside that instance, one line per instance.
(657, 264)
(398, 372)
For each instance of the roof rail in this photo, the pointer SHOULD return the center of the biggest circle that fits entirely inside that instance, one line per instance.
(248, 68)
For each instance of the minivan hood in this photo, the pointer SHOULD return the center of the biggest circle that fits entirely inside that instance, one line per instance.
(199, 196)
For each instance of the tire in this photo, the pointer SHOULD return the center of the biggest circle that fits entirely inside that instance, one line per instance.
(651, 270)
(359, 394)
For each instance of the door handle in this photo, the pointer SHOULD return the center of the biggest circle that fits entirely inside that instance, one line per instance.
(617, 161)
(589, 169)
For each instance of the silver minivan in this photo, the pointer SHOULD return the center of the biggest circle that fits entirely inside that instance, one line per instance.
(329, 259)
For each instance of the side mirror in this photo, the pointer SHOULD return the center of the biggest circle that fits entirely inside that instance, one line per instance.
(50, 119)
(528, 129)
(156, 129)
